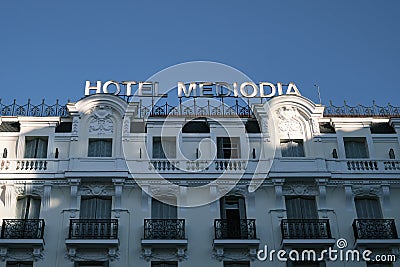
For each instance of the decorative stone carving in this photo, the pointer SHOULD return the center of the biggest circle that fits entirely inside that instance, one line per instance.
(164, 190)
(28, 189)
(315, 126)
(96, 190)
(296, 189)
(288, 121)
(127, 126)
(100, 121)
(366, 190)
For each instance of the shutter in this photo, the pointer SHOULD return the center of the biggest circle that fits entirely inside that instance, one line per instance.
(21, 207)
(242, 208)
(222, 207)
(34, 208)
(220, 147)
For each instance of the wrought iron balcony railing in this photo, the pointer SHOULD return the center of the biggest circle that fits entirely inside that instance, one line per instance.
(305, 229)
(235, 229)
(93, 229)
(22, 229)
(164, 229)
(375, 229)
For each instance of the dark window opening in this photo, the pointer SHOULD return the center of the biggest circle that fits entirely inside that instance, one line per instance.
(292, 148)
(64, 127)
(100, 147)
(355, 147)
(36, 147)
(228, 147)
(326, 127)
(252, 126)
(381, 128)
(196, 126)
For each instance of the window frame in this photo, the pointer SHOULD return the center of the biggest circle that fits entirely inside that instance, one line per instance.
(356, 140)
(159, 151)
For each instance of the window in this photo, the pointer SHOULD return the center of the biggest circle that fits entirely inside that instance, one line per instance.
(355, 147)
(306, 264)
(164, 147)
(368, 208)
(91, 263)
(164, 264)
(292, 148)
(236, 264)
(161, 210)
(19, 264)
(233, 211)
(36, 147)
(228, 147)
(95, 208)
(100, 147)
(28, 207)
(380, 264)
(301, 208)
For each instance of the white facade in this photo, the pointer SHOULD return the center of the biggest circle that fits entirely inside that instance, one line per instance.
(327, 172)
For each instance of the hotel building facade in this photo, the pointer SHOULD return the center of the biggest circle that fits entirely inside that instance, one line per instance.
(80, 184)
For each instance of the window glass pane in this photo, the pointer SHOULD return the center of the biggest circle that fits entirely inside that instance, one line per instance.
(19, 264)
(100, 148)
(36, 147)
(164, 148)
(95, 208)
(236, 264)
(228, 147)
(161, 210)
(164, 264)
(292, 148)
(355, 147)
(368, 208)
(301, 208)
(28, 207)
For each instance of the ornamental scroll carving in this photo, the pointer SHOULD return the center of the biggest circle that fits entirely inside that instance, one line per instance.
(299, 190)
(96, 190)
(100, 120)
(366, 190)
(288, 121)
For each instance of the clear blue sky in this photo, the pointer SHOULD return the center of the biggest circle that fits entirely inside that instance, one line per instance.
(350, 48)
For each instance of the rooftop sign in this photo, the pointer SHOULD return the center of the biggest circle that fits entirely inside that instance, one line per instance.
(193, 89)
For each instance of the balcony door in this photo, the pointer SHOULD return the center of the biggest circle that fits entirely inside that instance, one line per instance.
(233, 211)
(301, 207)
(95, 207)
(161, 210)
(368, 208)
(28, 207)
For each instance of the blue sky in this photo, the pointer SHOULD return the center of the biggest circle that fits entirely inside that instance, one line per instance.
(350, 48)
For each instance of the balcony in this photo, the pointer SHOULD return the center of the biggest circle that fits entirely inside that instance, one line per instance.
(93, 233)
(164, 233)
(302, 232)
(347, 168)
(375, 232)
(239, 234)
(22, 234)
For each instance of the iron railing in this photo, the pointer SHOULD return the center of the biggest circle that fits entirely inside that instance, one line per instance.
(361, 111)
(235, 229)
(93, 229)
(164, 229)
(375, 229)
(29, 109)
(22, 229)
(305, 229)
